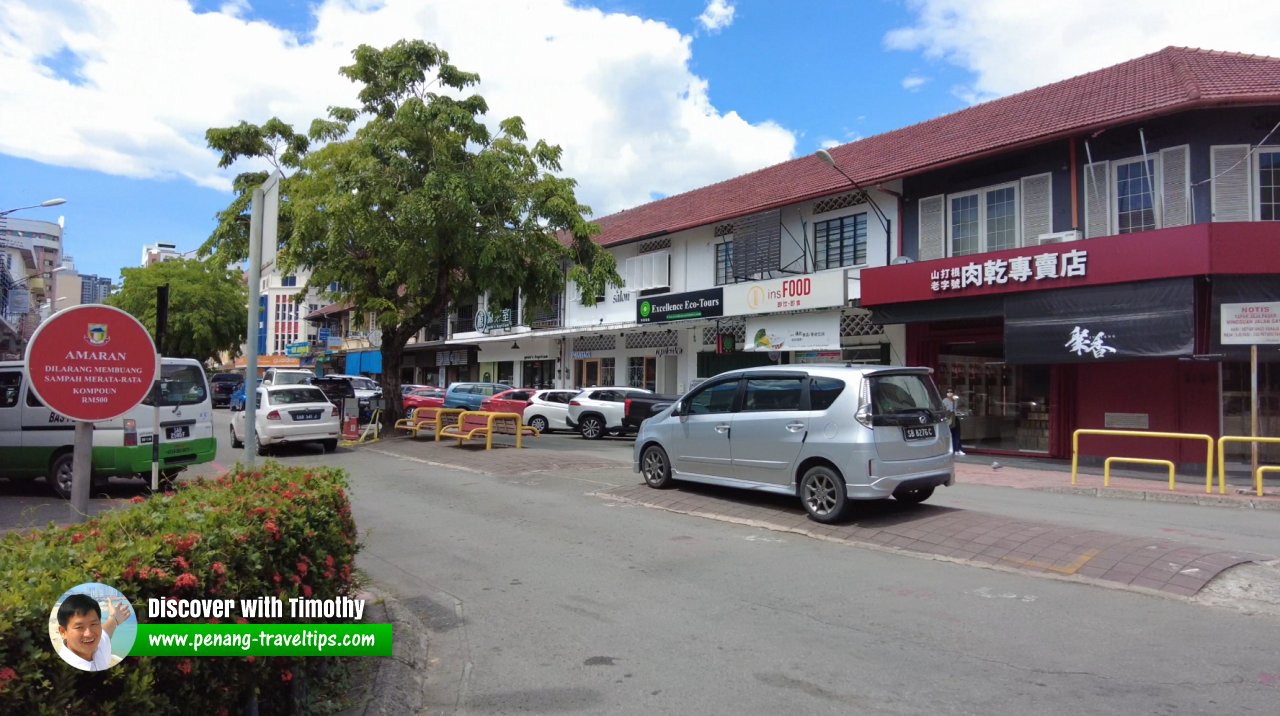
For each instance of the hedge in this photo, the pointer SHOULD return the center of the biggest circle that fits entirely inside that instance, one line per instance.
(274, 531)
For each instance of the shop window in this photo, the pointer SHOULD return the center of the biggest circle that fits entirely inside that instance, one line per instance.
(983, 220)
(724, 263)
(1006, 407)
(1269, 185)
(607, 372)
(642, 372)
(840, 242)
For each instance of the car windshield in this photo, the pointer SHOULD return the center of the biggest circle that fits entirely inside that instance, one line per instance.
(180, 385)
(899, 393)
(363, 384)
(293, 396)
(290, 378)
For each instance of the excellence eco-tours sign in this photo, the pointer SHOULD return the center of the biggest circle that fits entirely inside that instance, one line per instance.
(91, 362)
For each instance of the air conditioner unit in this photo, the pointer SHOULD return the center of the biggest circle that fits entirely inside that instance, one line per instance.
(1060, 237)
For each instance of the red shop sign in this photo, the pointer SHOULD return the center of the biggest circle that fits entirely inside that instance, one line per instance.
(91, 362)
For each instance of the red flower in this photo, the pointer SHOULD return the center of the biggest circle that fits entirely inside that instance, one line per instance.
(306, 591)
(182, 563)
(328, 560)
(251, 659)
(128, 574)
(7, 674)
(185, 667)
(241, 620)
(302, 567)
(218, 569)
(296, 579)
(77, 538)
(276, 578)
(93, 533)
(186, 581)
(137, 499)
(286, 676)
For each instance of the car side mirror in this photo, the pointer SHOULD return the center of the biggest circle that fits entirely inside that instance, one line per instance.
(677, 408)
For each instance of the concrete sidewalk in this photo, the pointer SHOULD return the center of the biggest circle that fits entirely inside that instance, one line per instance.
(1055, 476)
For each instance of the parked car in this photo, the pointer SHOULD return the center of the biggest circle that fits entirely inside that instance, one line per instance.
(828, 434)
(431, 398)
(468, 396)
(596, 412)
(222, 385)
(337, 388)
(366, 388)
(639, 408)
(287, 376)
(547, 409)
(236, 400)
(407, 388)
(508, 401)
(289, 414)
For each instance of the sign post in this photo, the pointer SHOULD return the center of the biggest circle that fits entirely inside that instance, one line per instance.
(162, 326)
(90, 363)
(1251, 324)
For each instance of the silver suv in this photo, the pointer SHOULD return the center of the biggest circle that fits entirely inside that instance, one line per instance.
(826, 433)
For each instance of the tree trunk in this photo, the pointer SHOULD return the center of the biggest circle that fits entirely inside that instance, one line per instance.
(392, 359)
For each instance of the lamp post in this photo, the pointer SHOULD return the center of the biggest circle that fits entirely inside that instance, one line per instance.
(41, 205)
(825, 157)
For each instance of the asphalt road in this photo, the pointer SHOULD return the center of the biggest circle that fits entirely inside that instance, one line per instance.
(544, 598)
(541, 597)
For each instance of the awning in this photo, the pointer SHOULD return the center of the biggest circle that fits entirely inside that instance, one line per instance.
(948, 310)
(360, 362)
(1127, 321)
(330, 310)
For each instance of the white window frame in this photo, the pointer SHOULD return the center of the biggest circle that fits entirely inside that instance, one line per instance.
(1257, 183)
(982, 217)
(1113, 176)
(647, 271)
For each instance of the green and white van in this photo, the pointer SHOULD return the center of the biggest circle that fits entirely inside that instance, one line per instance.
(37, 442)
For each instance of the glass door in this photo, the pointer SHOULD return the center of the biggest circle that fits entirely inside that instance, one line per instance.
(1005, 407)
(587, 371)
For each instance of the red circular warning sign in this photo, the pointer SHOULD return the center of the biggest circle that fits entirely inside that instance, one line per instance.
(91, 362)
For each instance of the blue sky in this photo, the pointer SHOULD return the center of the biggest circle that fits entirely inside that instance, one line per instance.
(107, 102)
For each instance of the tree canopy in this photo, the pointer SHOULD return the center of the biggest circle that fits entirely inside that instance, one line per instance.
(411, 202)
(206, 306)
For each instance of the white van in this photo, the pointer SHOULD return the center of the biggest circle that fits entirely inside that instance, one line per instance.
(37, 442)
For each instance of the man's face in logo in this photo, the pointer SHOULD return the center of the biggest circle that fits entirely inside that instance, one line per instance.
(645, 308)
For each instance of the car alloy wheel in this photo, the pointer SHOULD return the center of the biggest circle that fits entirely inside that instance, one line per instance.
(592, 428)
(823, 493)
(538, 423)
(655, 467)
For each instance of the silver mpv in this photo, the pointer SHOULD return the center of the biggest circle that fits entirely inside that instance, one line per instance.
(826, 433)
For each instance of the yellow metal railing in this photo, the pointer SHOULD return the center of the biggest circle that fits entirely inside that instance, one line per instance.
(1222, 453)
(1208, 476)
(481, 422)
(1257, 477)
(1106, 467)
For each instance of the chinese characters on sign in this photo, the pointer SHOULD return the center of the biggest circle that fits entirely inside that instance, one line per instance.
(487, 322)
(1020, 269)
(1081, 343)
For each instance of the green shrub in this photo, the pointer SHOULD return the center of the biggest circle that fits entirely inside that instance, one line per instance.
(274, 531)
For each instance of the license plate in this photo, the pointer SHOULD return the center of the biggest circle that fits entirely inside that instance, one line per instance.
(311, 415)
(177, 433)
(922, 432)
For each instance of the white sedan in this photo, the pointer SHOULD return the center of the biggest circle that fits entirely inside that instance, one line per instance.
(290, 414)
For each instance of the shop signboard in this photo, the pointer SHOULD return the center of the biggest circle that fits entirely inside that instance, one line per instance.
(322, 335)
(299, 349)
(795, 293)
(806, 331)
(708, 303)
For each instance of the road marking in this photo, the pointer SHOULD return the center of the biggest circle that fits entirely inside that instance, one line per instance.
(761, 538)
(1072, 568)
(986, 593)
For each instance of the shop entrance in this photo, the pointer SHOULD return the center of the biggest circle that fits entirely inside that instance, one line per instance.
(642, 372)
(538, 373)
(1007, 405)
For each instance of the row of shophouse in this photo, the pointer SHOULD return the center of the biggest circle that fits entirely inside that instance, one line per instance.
(1059, 257)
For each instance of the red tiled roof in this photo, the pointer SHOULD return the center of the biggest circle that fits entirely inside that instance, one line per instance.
(1173, 79)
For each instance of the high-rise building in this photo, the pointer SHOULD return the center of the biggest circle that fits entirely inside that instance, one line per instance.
(158, 252)
(94, 289)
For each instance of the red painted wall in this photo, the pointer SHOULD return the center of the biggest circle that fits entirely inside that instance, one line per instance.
(1178, 396)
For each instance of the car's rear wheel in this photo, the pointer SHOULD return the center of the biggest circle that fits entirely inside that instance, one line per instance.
(591, 427)
(330, 445)
(539, 423)
(913, 497)
(235, 441)
(656, 468)
(823, 493)
(60, 475)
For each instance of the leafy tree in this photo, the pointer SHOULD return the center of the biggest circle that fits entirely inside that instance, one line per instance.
(412, 202)
(206, 305)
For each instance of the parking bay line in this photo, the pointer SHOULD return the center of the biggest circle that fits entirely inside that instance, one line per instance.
(449, 466)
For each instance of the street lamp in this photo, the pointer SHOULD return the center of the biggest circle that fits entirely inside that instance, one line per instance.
(827, 159)
(41, 205)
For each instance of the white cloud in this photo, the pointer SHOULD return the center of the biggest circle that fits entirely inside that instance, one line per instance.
(1013, 45)
(829, 143)
(913, 82)
(614, 90)
(717, 16)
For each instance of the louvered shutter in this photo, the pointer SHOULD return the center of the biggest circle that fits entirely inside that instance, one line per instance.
(932, 229)
(1232, 195)
(661, 269)
(1097, 200)
(1037, 207)
(1175, 181)
(633, 277)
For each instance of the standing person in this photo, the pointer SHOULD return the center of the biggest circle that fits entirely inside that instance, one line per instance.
(951, 404)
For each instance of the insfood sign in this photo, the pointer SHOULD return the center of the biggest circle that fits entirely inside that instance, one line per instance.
(681, 306)
(799, 293)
